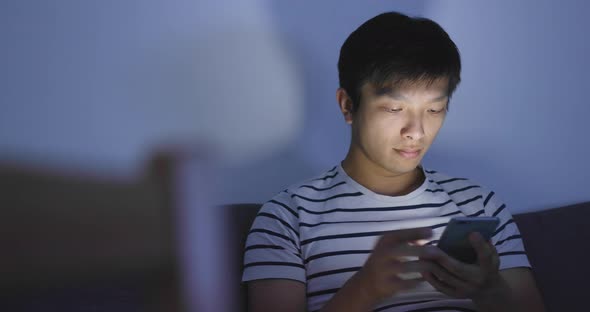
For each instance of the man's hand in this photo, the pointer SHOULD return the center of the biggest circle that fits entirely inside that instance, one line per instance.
(462, 280)
(481, 282)
(383, 273)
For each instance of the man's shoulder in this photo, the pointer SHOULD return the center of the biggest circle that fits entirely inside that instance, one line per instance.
(319, 183)
(466, 192)
(325, 183)
(453, 184)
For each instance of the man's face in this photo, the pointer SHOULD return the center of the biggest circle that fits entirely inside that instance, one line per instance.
(393, 128)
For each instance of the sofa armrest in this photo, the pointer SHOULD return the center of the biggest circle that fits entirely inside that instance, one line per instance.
(557, 244)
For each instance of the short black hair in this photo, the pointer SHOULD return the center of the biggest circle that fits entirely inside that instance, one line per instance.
(394, 48)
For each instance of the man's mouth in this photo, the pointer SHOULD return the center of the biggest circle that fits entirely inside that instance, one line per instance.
(409, 153)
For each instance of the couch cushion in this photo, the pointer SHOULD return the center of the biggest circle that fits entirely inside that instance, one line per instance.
(556, 241)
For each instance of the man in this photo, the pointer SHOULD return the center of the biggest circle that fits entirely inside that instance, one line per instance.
(362, 236)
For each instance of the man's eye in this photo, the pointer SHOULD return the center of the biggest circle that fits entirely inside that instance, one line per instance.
(394, 110)
(435, 111)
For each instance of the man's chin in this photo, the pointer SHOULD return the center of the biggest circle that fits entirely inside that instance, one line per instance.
(407, 165)
(402, 170)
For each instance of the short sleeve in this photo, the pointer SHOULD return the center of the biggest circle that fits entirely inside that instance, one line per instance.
(272, 248)
(507, 238)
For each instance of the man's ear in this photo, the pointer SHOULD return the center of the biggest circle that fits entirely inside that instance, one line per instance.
(345, 104)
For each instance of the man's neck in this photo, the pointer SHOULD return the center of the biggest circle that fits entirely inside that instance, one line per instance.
(380, 181)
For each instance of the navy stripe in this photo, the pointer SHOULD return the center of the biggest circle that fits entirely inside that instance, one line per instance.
(327, 177)
(510, 253)
(269, 232)
(251, 247)
(285, 223)
(463, 189)
(265, 263)
(323, 292)
(331, 272)
(336, 253)
(485, 202)
(476, 214)
(450, 180)
(333, 169)
(469, 200)
(376, 209)
(329, 198)
(451, 213)
(402, 304)
(431, 172)
(507, 239)
(322, 189)
(499, 210)
(285, 206)
(303, 224)
(434, 191)
(502, 227)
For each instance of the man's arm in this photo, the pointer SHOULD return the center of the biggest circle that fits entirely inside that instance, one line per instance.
(523, 287)
(517, 291)
(269, 295)
(490, 289)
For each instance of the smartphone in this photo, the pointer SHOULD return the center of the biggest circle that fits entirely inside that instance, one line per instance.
(455, 238)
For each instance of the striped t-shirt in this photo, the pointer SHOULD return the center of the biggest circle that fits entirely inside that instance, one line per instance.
(322, 231)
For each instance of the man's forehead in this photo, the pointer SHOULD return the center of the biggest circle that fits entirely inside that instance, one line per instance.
(436, 88)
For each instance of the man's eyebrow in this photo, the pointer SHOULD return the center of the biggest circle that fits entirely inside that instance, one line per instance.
(392, 93)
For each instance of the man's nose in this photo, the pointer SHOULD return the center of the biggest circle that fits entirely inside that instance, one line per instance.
(414, 129)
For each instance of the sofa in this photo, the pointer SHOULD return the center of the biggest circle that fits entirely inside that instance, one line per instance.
(557, 242)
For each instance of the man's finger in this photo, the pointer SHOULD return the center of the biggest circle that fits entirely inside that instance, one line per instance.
(415, 266)
(485, 252)
(456, 267)
(404, 236)
(407, 283)
(448, 278)
(439, 285)
(412, 251)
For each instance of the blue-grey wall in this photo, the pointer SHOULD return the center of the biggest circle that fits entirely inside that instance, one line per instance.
(96, 85)
(518, 121)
